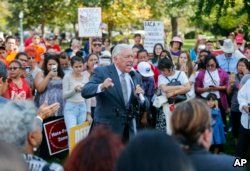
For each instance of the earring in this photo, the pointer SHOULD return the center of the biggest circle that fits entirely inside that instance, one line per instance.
(34, 149)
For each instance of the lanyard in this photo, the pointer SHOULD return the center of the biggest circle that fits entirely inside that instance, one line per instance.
(228, 64)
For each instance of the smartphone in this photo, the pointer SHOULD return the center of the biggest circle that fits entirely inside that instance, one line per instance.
(54, 68)
(27, 69)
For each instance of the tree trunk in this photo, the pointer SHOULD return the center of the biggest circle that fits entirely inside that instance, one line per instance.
(110, 28)
(43, 28)
(76, 31)
(174, 24)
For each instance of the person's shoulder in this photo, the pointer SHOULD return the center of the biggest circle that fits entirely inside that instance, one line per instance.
(222, 71)
(67, 75)
(209, 161)
(3, 100)
(219, 57)
(102, 68)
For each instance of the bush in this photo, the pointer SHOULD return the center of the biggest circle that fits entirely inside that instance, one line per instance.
(190, 35)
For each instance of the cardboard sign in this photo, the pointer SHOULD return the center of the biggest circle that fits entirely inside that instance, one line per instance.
(154, 33)
(89, 22)
(77, 133)
(56, 136)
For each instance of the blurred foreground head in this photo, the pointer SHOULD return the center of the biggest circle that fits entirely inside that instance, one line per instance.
(16, 121)
(153, 151)
(11, 159)
(97, 152)
(191, 124)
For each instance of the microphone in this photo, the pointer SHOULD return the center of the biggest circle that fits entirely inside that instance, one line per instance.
(141, 97)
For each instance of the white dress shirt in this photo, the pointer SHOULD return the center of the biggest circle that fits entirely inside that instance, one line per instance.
(244, 100)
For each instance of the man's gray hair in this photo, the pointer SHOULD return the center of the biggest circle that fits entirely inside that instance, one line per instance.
(16, 121)
(118, 48)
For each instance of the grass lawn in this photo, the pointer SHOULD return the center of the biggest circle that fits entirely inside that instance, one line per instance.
(188, 44)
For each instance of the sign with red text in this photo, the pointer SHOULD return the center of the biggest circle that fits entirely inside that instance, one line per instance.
(154, 33)
(90, 22)
(56, 136)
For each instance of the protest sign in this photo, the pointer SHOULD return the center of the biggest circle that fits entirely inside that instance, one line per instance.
(56, 136)
(77, 133)
(154, 33)
(89, 22)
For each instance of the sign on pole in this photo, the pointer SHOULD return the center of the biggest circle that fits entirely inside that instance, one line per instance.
(77, 133)
(89, 22)
(154, 33)
(56, 136)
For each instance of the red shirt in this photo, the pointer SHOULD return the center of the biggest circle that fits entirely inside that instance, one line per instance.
(13, 89)
(55, 47)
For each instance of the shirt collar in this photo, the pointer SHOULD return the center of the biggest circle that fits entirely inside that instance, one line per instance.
(119, 71)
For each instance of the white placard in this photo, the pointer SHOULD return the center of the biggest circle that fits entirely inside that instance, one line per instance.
(154, 33)
(89, 22)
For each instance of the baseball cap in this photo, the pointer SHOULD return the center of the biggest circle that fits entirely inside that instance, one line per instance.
(228, 46)
(144, 69)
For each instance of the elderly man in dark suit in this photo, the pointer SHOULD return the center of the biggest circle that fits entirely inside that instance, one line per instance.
(117, 91)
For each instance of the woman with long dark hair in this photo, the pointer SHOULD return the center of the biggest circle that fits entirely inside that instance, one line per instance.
(76, 110)
(158, 48)
(213, 80)
(49, 82)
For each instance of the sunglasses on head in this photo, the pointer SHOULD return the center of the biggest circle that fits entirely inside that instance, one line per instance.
(97, 44)
(13, 68)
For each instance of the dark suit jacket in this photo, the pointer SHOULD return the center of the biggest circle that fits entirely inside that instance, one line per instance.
(206, 161)
(110, 107)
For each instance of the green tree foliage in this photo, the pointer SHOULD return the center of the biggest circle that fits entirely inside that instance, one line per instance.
(4, 13)
(173, 9)
(222, 16)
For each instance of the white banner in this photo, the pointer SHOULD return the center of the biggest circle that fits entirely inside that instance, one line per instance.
(154, 33)
(89, 22)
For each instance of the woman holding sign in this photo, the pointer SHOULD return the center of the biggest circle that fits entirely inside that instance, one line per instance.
(77, 109)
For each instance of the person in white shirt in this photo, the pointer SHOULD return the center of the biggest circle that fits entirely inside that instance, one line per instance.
(244, 136)
(77, 109)
(165, 84)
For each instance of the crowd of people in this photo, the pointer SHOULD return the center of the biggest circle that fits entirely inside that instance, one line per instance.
(191, 99)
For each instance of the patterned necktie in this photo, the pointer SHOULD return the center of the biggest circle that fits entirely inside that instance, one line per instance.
(124, 88)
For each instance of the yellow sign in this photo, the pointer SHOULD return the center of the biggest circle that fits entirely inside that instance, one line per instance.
(77, 133)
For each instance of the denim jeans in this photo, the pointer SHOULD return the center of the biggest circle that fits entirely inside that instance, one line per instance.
(74, 114)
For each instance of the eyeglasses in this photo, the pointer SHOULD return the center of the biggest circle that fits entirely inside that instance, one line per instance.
(97, 44)
(29, 58)
(212, 65)
(13, 68)
(23, 60)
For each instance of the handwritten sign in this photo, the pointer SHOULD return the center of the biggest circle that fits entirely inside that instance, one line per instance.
(89, 22)
(154, 33)
(77, 133)
(56, 136)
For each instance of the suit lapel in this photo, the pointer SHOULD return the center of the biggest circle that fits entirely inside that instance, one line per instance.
(117, 83)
